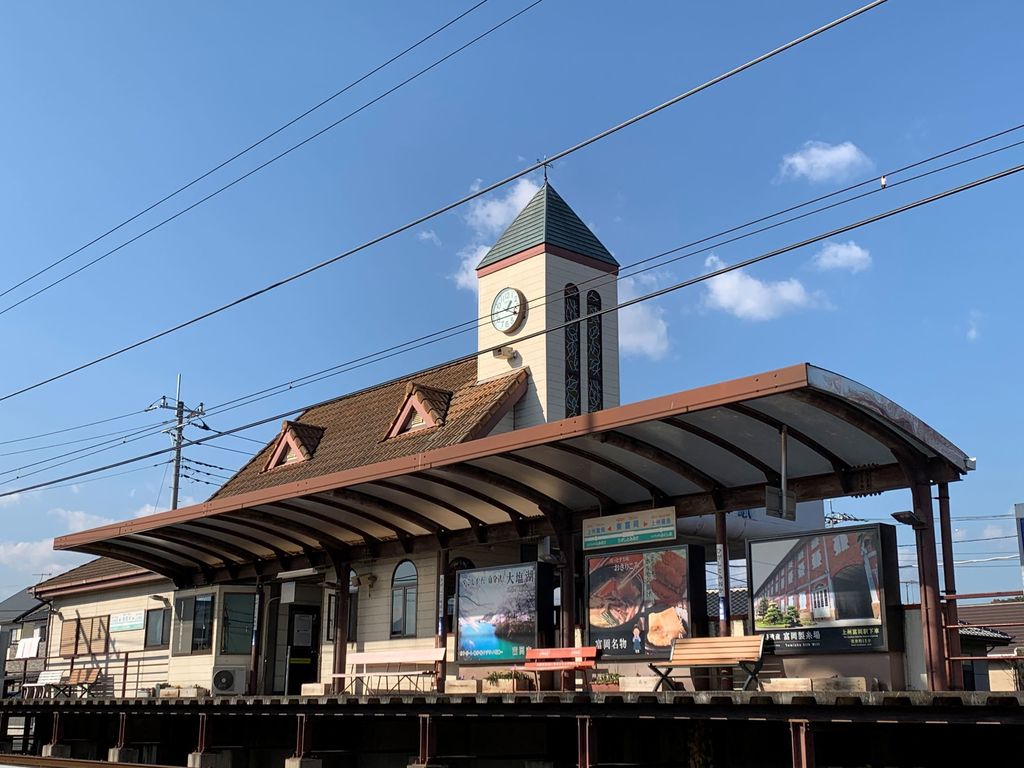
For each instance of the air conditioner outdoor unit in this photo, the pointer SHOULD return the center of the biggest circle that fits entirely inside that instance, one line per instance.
(229, 681)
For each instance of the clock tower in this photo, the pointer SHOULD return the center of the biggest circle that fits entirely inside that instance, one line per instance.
(541, 288)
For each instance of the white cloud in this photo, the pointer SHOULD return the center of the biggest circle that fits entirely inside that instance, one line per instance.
(748, 298)
(76, 489)
(818, 161)
(76, 520)
(150, 509)
(993, 531)
(643, 330)
(973, 325)
(429, 236)
(848, 256)
(10, 501)
(36, 557)
(487, 218)
(489, 215)
(959, 534)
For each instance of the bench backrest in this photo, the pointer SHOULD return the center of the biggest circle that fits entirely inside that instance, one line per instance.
(586, 653)
(50, 677)
(84, 676)
(410, 656)
(711, 651)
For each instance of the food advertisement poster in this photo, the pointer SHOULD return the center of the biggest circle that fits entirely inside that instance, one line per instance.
(825, 591)
(639, 602)
(498, 610)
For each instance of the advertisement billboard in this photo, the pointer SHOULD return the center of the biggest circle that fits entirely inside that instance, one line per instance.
(638, 602)
(825, 591)
(501, 611)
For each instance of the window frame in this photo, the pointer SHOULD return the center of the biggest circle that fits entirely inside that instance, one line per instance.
(165, 633)
(225, 623)
(403, 591)
(184, 616)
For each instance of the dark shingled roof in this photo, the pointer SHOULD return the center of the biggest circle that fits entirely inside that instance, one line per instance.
(989, 614)
(354, 428)
(547, 218)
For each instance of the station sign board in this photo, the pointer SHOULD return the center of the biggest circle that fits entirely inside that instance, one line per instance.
(126, 622)
(648, 526)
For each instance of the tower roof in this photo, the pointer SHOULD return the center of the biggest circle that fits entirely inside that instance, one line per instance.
(547, 218)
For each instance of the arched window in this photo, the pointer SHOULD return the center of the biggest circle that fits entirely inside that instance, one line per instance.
(403, 600)
(595, 351)
(573, 401)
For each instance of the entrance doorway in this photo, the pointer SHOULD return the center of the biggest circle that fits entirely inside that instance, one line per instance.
(303, 651)
(853, 595)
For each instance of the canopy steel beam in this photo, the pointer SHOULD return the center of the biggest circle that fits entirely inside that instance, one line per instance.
(771, 475)
(603, 500)
(660, 457)
(655, 492)
(372, 542)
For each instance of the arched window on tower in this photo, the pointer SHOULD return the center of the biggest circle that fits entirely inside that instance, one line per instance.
(595, 352)
(573, 399)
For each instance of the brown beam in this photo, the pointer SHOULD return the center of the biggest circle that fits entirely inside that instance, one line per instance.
(180, 540)
(322, 538)
(771, 475)
(546, 504)
(296, 533)
(399, 532)
(172, 571)
(383, 505)
(660, 457)
(514, 514)
(839, 465)
(155, 549)
(216, 525)
(603, 500)
(655, 492)
(369, 540)
(470, 518)
(177, 534)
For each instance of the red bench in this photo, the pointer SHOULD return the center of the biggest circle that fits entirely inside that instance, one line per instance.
(561, 660)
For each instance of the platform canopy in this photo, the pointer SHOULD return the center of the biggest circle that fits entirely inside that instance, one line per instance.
(711, 448)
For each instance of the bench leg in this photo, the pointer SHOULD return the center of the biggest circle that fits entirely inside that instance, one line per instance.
(752, 671)
(665, 680)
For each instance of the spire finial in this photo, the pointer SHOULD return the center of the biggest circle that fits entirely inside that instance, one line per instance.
(544, 162)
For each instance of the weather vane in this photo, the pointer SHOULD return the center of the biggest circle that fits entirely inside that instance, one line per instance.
(544, 162)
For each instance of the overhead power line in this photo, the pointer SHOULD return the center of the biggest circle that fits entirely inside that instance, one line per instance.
(272, 160)
(622, 305)
(72, 429)
(651, 262)
(448, 207)
(429, 339)
(234, 157)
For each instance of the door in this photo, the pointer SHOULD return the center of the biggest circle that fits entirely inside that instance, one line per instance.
(853, 595)
(303, 647)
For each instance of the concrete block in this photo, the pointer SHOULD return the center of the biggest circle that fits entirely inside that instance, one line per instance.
(206, 760)
(461, 687)
(786, 684)
(57, 750)
(303, 762)
(122, 755)
(849, 684)
(315, 689)
(638, 683)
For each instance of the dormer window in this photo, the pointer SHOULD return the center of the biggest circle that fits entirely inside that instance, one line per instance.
(296, 443)
(423, 408)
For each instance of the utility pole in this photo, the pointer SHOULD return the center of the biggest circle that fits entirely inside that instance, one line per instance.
(181, 413)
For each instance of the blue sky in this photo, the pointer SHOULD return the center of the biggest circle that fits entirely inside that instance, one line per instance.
(108, 106)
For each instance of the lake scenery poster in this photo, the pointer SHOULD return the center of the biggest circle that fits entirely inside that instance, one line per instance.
(497, 613)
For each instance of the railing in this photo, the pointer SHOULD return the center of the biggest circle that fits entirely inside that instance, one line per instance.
(122, 674)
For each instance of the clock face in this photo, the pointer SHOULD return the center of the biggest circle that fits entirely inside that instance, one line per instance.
(508, 310)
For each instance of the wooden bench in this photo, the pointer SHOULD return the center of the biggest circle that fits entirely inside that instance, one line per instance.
(50, 678)
(745, 651)
(561, 660)
(387, 670)
(80, 681)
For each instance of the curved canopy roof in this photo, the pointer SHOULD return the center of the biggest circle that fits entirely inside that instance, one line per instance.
(714, 447)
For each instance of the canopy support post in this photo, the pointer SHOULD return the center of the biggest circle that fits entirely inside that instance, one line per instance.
(955, 668)
(441, 640)
(928, 575)
(567, 590)
(722, 552)
(342, 563)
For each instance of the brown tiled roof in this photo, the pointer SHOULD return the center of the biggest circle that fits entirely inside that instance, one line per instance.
(355, 427)
(993, 614)
(308, 436)
(101, 569)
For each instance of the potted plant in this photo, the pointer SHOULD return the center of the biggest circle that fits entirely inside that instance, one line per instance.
(605, 682)
(507, 681)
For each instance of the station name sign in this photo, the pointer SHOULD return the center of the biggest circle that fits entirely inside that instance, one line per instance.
(628, 530)
(126, 622)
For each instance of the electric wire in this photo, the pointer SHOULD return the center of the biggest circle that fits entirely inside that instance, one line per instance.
(448, 207)
(600, 313)
(272, 160)
(376, 357)
(242, 152)
(72, 429)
